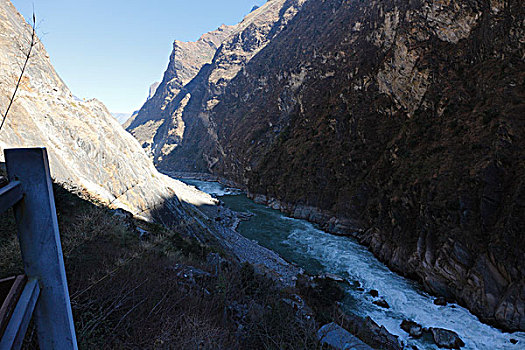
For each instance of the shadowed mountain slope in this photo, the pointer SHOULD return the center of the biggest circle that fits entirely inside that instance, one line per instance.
(401, 121)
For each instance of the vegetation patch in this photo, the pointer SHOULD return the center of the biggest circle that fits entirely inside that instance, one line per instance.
(138, 285)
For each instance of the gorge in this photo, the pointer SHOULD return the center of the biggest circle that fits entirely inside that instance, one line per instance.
(319, 252)
(399, 123)
(367, 152)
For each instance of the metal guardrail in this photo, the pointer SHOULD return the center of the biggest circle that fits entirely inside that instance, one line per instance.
(16, 328)
(45, 295)
(10, 195)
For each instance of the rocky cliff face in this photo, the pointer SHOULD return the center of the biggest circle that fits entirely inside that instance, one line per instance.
(401, 118)
(153, 89)
(190, 106)
(86, 145)
(151, 122)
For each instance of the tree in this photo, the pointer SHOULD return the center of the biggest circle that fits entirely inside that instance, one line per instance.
(27, 56)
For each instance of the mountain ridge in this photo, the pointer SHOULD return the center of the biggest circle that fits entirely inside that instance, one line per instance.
(182, 111)
(397, 119)
(79, 134)
(186, 59)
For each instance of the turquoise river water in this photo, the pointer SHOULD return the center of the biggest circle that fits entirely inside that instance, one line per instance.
(316, 251)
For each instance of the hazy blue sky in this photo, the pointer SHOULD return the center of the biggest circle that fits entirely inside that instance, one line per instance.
(114, 49)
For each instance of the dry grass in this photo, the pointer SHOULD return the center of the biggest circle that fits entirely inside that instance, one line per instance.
(11, 260)
(129, 293)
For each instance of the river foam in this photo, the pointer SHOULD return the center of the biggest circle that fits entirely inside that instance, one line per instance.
(317, 251)
(213, 188)
(347, 258)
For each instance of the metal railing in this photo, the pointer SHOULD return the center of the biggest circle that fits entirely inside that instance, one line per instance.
(45, 294)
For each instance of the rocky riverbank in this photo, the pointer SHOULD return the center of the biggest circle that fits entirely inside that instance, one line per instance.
(372, 289)
(434, 277)
(319, 294)
(324, 218)
(455, 262)
(219, 222)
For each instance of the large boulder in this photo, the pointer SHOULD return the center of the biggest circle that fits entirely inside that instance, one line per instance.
(445, 338)
(413, 328)
(381, 303)
(338, 338)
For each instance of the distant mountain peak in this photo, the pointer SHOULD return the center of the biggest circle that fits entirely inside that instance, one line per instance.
(186, 60)
(153, 88)
(121, 117)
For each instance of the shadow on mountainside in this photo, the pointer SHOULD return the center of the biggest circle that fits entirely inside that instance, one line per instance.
(135, 284)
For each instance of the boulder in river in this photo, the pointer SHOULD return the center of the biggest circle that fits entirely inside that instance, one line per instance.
(374, 293)
(413, 328)
(445, 338)
(369, 331)
(338, 338)
(382, 303)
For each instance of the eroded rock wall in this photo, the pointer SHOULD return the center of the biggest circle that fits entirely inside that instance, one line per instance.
(151, 124)
(404, 118)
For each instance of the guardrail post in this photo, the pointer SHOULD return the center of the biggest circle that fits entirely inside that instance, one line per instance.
(40, 245)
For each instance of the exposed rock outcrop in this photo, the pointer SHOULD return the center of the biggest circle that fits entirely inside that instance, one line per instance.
(445, 338)
(403, 118)
(151, 123)
(86, 145)
(337, 338)
(187, 110)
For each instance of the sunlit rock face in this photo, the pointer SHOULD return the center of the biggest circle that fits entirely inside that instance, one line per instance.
(167, 120)
(404, 117)
(87, 147)
(152, 122)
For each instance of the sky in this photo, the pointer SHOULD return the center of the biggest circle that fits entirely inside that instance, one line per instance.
(113, 50)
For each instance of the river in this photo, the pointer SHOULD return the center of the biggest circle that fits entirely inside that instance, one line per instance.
(316, 251)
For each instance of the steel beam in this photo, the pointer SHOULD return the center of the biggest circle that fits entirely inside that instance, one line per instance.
(10, 195)
(40, 245)
(16, 328)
